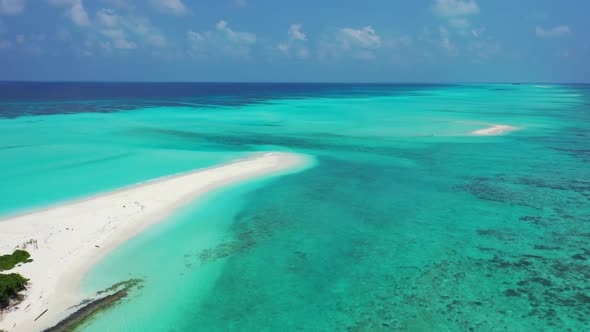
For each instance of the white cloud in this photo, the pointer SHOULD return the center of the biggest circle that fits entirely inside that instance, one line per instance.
(450, 8)
(176, 7)
(295, 46)
(221, 41)
(296, 33)
(445, 41)
(121, 4)
(235, 36)
(296, 51)
(484, 49)
(5, 44)
(108, 30)
(118, 39)
(364, 38)
(558, 31)
(107, 17)
(283, 47)
(113, 33)
(128, 32)
(455, 11)
(62, 2)
(79, 14)
(447, 45)
(30, 43)
(195, 36)
(477, 32)
(241, 3)
(157, 40)
(105, 45)
(459, 23)
(359, 43)
(404, 40)
(84, 52)
(11, 7)
(75, 12)
(124, 44)
(302, 53)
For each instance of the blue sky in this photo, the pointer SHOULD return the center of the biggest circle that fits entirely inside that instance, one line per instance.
(270, 40)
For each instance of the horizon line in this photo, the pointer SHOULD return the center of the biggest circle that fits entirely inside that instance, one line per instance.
(295, 82)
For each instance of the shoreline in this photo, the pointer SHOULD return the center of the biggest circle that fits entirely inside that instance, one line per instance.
(73, 236)
(494, 130)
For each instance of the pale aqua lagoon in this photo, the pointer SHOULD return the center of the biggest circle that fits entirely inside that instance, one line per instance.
(406, 222)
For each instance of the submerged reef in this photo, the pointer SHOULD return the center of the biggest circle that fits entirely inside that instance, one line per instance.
(89, 309)
(247, 232)
(510, 254)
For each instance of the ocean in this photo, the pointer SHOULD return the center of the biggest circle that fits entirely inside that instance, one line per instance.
(405, 222)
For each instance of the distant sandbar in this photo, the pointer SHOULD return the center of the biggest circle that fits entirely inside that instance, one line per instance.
(494, 130)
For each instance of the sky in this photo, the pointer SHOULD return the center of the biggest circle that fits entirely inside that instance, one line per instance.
(296, 41)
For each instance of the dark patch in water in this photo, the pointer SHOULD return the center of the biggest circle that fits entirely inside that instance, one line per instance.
(10, 147)
(500, 235)
(90, 308)
(544, 247)
(248, 232)
(245, 141)
(44, 98)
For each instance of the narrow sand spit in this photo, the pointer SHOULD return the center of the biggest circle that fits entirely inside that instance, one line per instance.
(494, 130)
(66, 240)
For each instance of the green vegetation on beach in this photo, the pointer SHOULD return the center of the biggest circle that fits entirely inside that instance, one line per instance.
(12, 284)
(7, 262)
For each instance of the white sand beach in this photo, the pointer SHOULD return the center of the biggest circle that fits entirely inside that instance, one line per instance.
(69, 238)
(494, 130)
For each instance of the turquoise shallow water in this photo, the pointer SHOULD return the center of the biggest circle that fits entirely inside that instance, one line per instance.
(405, 223)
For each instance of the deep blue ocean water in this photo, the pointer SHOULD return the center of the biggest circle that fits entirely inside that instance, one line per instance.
(407, 222)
